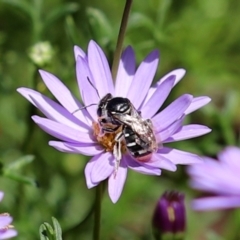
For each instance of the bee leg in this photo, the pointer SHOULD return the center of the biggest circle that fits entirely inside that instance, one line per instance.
(117, 151)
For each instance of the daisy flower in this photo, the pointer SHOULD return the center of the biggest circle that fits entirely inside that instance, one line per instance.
(219, 179)
(77, 129)
(6, 230)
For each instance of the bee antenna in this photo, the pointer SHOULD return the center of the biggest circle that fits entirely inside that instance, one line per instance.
(84, 107)
(93, 86)
(89, 104)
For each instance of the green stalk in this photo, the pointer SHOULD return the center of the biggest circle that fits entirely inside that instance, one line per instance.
(97, 212)
(121, 34)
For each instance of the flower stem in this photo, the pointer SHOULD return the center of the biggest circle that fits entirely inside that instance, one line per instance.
(97, 212)
(121, 34)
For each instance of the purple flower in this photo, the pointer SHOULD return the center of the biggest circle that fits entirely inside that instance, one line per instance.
(169, 216)
(6, 230)
(77, 129)
(219, 179)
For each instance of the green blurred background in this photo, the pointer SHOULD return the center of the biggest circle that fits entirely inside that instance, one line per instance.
(202, 36)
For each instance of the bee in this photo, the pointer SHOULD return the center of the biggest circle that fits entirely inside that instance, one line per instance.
(137, 134)
(118, 115)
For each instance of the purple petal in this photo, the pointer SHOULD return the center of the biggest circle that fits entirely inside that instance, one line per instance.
(171, 113)
(61, 131)
(138, 167)
(230, 156)
(213, 203)
(88, 92)
(116, 182)
(5, 220)
(88, 172)
(1, 195)
(9, 233)
(53, 110)
(207, 163)
(179, 73)
(103, 167)
(208, 168)
(82, 148)
(126, 71)
(170, 130)
(214, 176)
(226, 184)
(189, 131)
(78, 52)
(159, 161)
(143, 79)
(179, 157)
(158, 98)
(209, 181)
(64, 96)
(197, 103)
(100, 69)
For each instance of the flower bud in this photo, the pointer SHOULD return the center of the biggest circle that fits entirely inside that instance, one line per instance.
(169, 216)
(41, 53)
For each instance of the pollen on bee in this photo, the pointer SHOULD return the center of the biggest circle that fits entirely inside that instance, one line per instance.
(107, 140)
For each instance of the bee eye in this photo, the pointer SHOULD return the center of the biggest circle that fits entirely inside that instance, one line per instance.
(99, 111)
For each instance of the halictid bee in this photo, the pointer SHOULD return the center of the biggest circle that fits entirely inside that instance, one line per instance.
(137, 133)
(118, 115)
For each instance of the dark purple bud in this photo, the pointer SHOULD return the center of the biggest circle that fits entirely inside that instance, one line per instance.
(169, 215)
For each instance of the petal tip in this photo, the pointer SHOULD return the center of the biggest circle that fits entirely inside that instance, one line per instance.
(35, 118)
(1, 195)
(208, 99)
(44, 74)
(41, 71)
(155, 54)
(92, 43)
(114, 198)
(20, 90)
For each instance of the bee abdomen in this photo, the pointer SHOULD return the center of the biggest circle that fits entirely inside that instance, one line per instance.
(135, 144)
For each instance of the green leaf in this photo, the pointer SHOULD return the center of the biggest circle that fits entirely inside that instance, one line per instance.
(20, 162)
(9, 170)
(59, 12)
(71, 29)
(138, 20)
(57, 229)
(46, 231)
(163, 12)
(100, 26)
(22, 5)
(20, 178)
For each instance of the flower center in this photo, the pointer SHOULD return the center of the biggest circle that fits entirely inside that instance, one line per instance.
(107, 140)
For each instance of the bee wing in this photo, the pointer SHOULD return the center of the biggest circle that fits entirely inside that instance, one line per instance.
(135, 113)
(146, 134)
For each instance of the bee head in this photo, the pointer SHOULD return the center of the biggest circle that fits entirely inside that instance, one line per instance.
(103, 104)
(119, 105)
